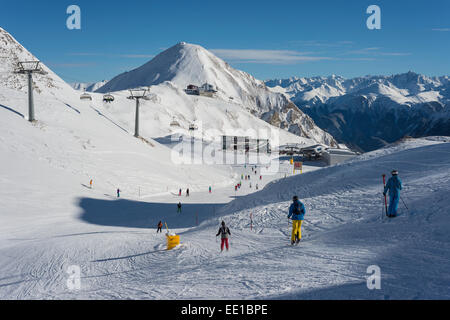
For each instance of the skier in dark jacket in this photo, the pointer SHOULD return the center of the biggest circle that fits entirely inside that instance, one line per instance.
(179, 207)
(394, 185)
(297, 214)
(160, 225)
(224, 231)
(118, 193)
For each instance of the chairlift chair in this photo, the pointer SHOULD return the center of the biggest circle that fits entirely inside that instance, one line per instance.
(108, 98)
(86, 96)
(174, 123)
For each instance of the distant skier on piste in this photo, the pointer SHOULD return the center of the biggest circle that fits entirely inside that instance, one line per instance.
(179, 207)
(118, 193)
(394, 185)
(224, 232)
(297, 214)
(160, 225)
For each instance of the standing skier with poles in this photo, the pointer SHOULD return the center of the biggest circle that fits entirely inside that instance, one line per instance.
(179, 207)
(224, 232)
(160, 225)
(297, 212)
(394, 185)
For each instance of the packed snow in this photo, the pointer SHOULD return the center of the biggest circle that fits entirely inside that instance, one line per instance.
(60, 223)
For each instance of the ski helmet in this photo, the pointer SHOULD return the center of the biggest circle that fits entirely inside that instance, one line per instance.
(394, 172)
(295, 198)
(223, 223)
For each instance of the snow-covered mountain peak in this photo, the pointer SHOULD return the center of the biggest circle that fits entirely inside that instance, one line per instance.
(88, 86)
(190, 64)
(11, 53)
(184, 64)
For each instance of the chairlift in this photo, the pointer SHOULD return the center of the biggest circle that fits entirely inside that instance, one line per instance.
(174, 123)
(108, 98)
(86, 96)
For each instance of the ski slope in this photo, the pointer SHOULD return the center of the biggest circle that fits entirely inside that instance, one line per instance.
(48, 225)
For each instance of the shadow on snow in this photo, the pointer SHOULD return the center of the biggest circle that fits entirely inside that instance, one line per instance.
(137, 214)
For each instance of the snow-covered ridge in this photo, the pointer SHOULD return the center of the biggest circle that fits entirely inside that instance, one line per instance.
(401, 88)
(11, 53)
(372, 111)
(88, 86)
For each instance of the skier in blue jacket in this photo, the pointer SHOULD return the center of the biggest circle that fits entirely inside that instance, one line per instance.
(394, 185)
(297, 214)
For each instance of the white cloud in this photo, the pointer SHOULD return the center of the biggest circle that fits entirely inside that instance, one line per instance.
(125, 55)
(70, 65)
(376, 51)
(136, 55)
(319, 43)
(441, 29)
(266, 56)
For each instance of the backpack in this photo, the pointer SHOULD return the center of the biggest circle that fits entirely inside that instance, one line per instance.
(296, 210)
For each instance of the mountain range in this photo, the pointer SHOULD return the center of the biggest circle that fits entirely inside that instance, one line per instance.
(365, 113)
(88, 86)
(369, 112)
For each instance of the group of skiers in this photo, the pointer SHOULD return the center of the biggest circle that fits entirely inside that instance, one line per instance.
(180, 191)
(297, 212)
(91, 183)
(247, 177)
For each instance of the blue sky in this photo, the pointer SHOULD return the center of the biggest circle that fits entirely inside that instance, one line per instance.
(269, 39)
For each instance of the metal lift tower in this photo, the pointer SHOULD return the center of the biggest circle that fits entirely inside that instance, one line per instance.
(138, 94)
(28, 68)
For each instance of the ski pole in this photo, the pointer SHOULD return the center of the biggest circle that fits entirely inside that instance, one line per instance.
(404, 204)
(385, 199)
